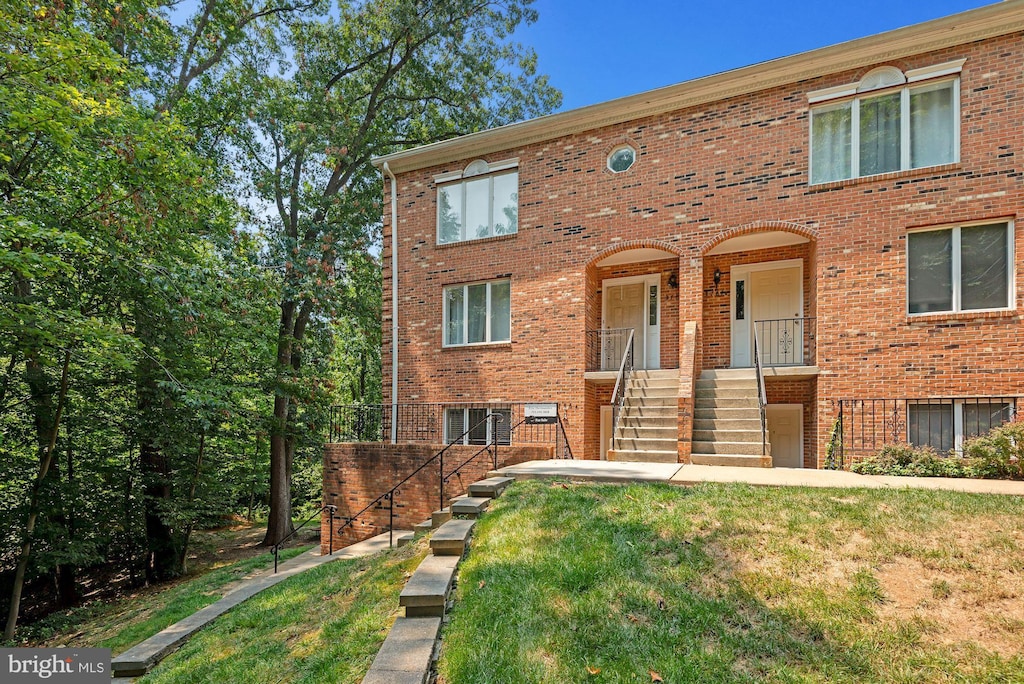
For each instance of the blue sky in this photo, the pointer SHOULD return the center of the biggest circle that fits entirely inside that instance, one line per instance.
(597, 50)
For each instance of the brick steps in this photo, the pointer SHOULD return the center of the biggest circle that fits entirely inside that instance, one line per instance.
(408, 653)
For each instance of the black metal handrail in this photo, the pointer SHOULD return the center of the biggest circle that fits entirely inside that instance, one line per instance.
(391, 493)
(619, 393)
(786, 341)
(604, 348)
(487, 448)
(762, 395)
(566, 448)
(866, 425)
(330, 508)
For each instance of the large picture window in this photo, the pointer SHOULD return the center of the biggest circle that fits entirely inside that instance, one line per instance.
(468, 425)
(900, 128)
(964, 268)
(481, 204)
(944, 425)
(478, 313)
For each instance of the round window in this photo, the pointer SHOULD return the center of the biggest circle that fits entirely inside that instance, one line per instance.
(621, 158)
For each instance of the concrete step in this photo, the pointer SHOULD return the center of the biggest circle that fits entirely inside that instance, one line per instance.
(426, 592)
(452, 538)
(491, 487)
(438, 518)
(728, 374)
(645, 444)
(649, 402)
(407, 653)
(713, 402)
(655, 422)
(657, 373)
(720, 413)
(643, 456)
(658, 411)
(731, 460)
(405, 539)
(725, 383)
(727, 423)
(471, 506)
(647, 431)
(738, 448)
(671, 392)
(654, 382)
(728, 436)
(727, 392)
(420, 529)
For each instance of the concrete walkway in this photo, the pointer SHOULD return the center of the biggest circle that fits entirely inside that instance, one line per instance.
(142, 657)
(615, 471)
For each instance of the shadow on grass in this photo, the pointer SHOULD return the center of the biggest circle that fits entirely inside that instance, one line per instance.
(609, 584)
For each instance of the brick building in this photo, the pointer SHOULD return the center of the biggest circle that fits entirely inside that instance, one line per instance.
(838, 226)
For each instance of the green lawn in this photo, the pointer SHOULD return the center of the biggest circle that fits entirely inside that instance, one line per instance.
(323, 625)
(730, 583)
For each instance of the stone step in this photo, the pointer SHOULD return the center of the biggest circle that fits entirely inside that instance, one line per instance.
(727, 423)
(452, 538)
(649, 402)
(426, 592)
(630, 444)
(713, 402)
(731, 460)
(643, 456)
(654, 422)
(654, 382)
(653, 392)
(647, 431)
(727, 392)
(438, 518)
(405, 539)
(728, 374)
(660, 411)
(719, 413)
(656, 373)
(471, 506)
(728, 436)
(491, 487)
(420, 529)
(738, 448)
(724, 383)
(407, 653)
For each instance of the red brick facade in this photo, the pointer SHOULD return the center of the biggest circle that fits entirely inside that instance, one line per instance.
(705, 175)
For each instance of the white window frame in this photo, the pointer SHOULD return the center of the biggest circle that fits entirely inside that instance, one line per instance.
(465, 314)
(959, 434)
(1011, 276)
(929, 78)
(490, 424)
(474, 171)
(623, 146)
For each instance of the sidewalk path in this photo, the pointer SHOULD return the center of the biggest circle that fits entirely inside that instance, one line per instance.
(617, 471)
(142, 657)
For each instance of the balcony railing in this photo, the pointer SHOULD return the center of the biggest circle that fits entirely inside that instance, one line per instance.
(864, 426)
(787, 341)
(605, 348)
(440, 423)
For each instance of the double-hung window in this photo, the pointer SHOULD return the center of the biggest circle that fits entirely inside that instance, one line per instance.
(478, 313)
(891, 123)
(473, 425)
(944, 424)
(480, 202)
(963, 268)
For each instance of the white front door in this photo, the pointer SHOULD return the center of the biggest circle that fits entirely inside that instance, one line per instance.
(785, 434)
(770, 293)
(636, 304)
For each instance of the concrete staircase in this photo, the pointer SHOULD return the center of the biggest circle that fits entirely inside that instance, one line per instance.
(727, 420)
(649, 426)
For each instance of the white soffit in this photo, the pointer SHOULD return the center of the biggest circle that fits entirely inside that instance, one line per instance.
(748, 243)
(635, 256)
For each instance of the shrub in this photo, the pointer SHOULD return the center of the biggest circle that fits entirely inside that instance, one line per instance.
(1000, 453)
(905, 459)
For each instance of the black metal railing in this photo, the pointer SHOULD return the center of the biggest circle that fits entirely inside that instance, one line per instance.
(762, 395)
(330, 508)
(864, 426)
(605, 348)
(435, 423)
(787, 341)
(622, 384)
(386, 501)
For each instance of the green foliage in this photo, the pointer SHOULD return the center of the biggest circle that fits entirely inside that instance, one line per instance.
(912, 461)
(1000, 453)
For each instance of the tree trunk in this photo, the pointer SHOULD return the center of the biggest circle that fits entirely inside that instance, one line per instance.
(279, 524)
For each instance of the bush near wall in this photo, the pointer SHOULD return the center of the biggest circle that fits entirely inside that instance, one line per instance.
(996, 455)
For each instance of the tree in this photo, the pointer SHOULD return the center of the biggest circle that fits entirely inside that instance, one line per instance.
(333, 93)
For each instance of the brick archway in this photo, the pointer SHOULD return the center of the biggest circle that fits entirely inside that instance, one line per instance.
(759, 227)
(628, 245)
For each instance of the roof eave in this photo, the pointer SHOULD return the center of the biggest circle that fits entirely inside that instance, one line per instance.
(966, 27)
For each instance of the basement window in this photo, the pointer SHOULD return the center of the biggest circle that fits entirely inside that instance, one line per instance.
(458, 420)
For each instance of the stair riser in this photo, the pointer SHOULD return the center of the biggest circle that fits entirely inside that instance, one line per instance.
(726, 383)
(726, 403)
(666, 422)
(728, 393)
(645, 444)
(727, 424)
(643, 456)
(727, 414)
(721, 460)
(735, 448)
(657, 392)
(658, 402)
(727, 436)
(728, 374)
(645, 432)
